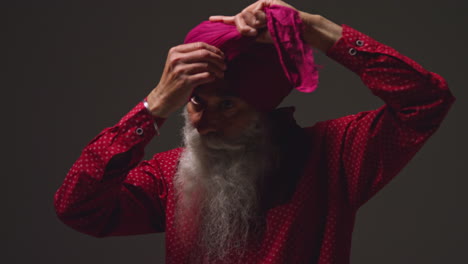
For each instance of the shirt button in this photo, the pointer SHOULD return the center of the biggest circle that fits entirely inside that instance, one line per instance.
(359, 43)
(139, 131)
(352, 52)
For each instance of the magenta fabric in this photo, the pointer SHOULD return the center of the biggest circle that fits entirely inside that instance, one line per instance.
(263, 74)
(111, 191)
(285, 27)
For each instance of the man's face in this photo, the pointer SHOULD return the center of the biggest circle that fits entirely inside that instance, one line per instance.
(213, 110)
(226, 155)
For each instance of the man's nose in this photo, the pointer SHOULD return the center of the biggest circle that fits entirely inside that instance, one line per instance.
(207, 122)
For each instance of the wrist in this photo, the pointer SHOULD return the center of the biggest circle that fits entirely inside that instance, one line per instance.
(155, 107)
(319, 32)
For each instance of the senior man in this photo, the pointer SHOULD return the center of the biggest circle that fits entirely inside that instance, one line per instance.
(250, 185)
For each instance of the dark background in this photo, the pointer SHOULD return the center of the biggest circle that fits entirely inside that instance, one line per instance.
(78, 66)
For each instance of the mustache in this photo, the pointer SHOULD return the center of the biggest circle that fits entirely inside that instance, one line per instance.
(215, 141)
(218, 141)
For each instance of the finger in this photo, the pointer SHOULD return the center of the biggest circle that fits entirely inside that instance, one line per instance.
(195, 68)
(250, 19)
(255, 6)
(260, 19)
(190, 47)
(261, 4)
(243, 28)
(204, 56)
(201, 78)
(225, 19)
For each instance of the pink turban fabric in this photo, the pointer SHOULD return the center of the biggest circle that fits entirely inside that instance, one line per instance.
(263, 74)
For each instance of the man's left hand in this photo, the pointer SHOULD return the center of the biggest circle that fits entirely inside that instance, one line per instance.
(252, 20)
(319, 32)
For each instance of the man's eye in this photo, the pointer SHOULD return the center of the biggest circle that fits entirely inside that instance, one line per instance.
(227, 104)
(195, 100)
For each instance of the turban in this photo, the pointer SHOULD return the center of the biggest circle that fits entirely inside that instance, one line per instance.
(263, 74)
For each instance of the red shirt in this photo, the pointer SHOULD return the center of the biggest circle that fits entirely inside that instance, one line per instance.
(109, 191)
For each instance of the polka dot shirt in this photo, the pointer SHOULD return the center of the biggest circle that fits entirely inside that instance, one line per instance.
(110, 191)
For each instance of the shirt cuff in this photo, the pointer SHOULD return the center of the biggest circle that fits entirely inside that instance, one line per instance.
(158, 121)
(137, 126)
(353, 49)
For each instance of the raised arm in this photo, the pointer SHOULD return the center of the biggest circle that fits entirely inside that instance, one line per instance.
(109, 191)
(371, 147)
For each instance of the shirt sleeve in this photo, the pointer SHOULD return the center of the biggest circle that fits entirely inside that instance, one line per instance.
(108, 191)
(370, 148)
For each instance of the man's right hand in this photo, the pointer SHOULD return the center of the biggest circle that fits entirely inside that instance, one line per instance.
(187, 66)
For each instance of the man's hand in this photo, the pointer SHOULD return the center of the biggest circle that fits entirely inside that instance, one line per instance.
(252, 20)
(319, 32)
(187, 66)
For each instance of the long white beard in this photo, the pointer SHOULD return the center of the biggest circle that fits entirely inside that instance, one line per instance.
(217, 183)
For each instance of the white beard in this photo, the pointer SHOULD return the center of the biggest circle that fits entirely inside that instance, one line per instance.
(217, 183)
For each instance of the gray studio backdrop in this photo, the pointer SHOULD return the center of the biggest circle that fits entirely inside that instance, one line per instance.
(76, 67)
